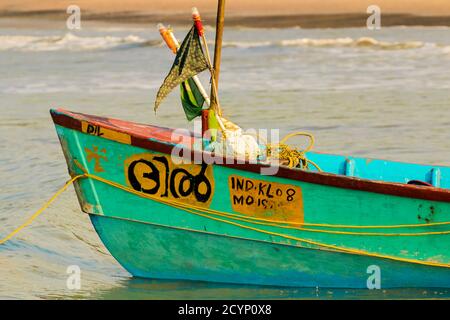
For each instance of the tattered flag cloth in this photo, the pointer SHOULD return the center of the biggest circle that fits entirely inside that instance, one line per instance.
(189, 61)
(191, 99)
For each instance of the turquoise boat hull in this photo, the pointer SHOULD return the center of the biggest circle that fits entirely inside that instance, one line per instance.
(162, 252)
(228, 223)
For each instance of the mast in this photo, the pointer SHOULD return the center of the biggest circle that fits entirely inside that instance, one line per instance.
(217, 54)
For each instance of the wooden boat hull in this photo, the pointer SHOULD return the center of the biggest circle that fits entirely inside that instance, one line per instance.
(163, 252)
(143, 214)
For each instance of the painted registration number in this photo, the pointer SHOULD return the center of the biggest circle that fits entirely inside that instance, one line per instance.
(266, 199)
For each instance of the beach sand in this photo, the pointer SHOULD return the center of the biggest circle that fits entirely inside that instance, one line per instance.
(248, 13)
(236, 7)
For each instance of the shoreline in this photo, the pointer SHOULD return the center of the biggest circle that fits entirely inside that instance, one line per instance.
(306, 21)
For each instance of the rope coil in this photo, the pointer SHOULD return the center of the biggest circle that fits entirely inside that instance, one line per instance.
(294, 158)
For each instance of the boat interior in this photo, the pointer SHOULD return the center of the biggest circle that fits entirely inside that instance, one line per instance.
(383, 170)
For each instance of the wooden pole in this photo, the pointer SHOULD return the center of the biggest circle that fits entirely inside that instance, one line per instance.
(218, 51)
(216, 106)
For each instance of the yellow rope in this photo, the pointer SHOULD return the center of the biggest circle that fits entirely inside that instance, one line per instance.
(188, 208)
(342, 226)
(381, 234)
(192, 209)
(45, 206)
(275, 224)
(328, 246)
(267, 221)
(295, 158)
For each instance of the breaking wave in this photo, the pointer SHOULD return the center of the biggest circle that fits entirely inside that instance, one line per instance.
(364, 42)
(72, 42)
(349, 42)
(245, 44)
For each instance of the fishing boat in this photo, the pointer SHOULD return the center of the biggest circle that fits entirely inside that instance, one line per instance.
(308, 220)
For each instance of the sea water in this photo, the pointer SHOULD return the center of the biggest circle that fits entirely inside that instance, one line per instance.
(382, 94)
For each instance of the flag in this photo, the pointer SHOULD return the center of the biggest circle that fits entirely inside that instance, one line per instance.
(191, 99)
(189, 61)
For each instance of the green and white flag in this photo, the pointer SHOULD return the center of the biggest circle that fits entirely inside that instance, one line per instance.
(191, 99)
(189, 61)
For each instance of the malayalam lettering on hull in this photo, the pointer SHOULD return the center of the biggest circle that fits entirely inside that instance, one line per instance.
(156, 174)
(266, 199)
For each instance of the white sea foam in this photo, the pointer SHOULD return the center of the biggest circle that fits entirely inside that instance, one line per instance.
(70, 42)
(247, 44)
(349, 42)
(336, 42)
